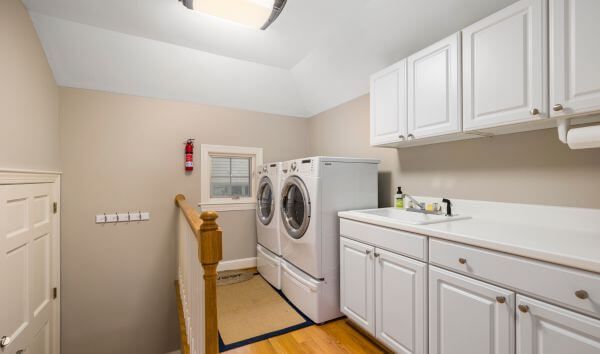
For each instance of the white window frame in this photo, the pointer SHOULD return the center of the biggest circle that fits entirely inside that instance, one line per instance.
(225, 204)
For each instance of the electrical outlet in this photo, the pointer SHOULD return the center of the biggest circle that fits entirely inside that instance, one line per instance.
(144, 215)
(100, 219)
(112, 218)
(134, 216)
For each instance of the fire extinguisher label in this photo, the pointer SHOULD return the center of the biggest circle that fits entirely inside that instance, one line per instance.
(189, 164)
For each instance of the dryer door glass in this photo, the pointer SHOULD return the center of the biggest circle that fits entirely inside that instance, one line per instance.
(295, 207)
(265, 208)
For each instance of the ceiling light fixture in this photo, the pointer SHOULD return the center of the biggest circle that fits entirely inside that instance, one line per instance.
(252, 13)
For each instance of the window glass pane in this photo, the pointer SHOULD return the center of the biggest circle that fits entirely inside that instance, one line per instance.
(230, 177)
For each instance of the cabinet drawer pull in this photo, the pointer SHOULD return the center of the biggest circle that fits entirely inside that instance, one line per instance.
(401, 137)
(523, 308)
(367, 251)
(501, 299)
(582, 294)
(462, 260)
(377, 254)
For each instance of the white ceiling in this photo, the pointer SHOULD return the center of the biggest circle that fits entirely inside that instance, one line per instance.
(318, 54)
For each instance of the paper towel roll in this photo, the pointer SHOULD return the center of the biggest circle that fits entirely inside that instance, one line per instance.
(584, 138)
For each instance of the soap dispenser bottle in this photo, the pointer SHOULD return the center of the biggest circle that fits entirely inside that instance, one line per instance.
(399, 198)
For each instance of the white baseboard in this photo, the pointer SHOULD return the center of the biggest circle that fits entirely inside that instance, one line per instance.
(242, 263)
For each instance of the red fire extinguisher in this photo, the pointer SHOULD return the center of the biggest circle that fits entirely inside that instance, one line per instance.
(189, 155)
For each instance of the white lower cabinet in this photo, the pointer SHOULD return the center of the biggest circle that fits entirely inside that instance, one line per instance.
(546, 329)
(400, 302)
(356, 283)
(467, 316)
(386, 294)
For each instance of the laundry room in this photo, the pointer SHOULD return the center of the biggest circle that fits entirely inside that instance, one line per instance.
(284, 176)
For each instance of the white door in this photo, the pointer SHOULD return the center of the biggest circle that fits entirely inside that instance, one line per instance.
(574, 57)
(467, 316)
(356, 283)
(505, 76)
(400, 302)
(26, 268)
(388, 104)
(434, 89)
(546, 329)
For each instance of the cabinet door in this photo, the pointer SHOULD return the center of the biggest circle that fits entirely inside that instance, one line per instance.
(574, 56)
(467, 316)
(546, 329)
(388, 105)
(505, 67)
(356, 283)
(400, 302)
(434, 85)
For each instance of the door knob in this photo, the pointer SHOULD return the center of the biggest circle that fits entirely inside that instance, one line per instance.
(557, 107)
(4, 341)
(534, 111)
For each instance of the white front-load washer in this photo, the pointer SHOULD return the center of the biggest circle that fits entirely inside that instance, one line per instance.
(313, 191)
(268, 250)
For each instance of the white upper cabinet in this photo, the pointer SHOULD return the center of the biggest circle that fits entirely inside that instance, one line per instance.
(434, 89)
(574, 57)
(388, 105)
(357, 276)
(505, 67)
(546, 329)
(467, 316)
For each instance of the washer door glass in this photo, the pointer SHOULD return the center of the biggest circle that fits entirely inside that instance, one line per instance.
(295, 207)
(265, 208)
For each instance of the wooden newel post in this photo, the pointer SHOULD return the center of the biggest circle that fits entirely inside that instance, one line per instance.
(210, 252)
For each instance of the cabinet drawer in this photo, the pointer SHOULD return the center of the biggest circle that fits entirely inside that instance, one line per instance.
(544, 280)
(392, 240)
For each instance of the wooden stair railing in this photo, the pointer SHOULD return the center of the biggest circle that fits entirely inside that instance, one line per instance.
(208, 235)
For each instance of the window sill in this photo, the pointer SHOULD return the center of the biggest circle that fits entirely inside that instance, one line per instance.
(226, 206)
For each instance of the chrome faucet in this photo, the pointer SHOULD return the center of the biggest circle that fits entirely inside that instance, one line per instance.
(421, 206)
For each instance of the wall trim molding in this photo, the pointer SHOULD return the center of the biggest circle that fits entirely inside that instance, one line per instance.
(234, 264)
(23, 176)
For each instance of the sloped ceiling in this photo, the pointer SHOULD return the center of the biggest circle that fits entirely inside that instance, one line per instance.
(317, 55)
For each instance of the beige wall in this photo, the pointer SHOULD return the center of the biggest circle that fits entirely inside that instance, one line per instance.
(28, 95)
(123, 153)
(531, 167)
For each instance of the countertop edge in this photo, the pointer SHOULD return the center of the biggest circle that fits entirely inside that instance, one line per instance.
(567, 261)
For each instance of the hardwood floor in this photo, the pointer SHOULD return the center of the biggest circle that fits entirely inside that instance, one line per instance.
(333, 337)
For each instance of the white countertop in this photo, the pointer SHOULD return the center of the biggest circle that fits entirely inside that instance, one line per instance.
(565, 236)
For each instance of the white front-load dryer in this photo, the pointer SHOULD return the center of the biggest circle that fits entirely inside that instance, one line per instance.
(313, 191)
(268, 251)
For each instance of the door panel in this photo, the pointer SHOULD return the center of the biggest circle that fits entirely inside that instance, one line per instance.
(547, 329)
(356, 283)
(504, 66)
(400, 300)
(388, 104)
(467, 316)
(574, 56)
(434, 106)
(26, 265)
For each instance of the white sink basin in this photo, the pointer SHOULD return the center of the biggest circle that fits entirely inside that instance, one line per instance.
(411, 217)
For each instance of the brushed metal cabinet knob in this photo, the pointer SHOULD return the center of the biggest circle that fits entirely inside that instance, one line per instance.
(534, 112)
(501, 299)
(4, 341)
(582, 294)
(557, 107)
(523, 308)
(462, 260)
(401, 137)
